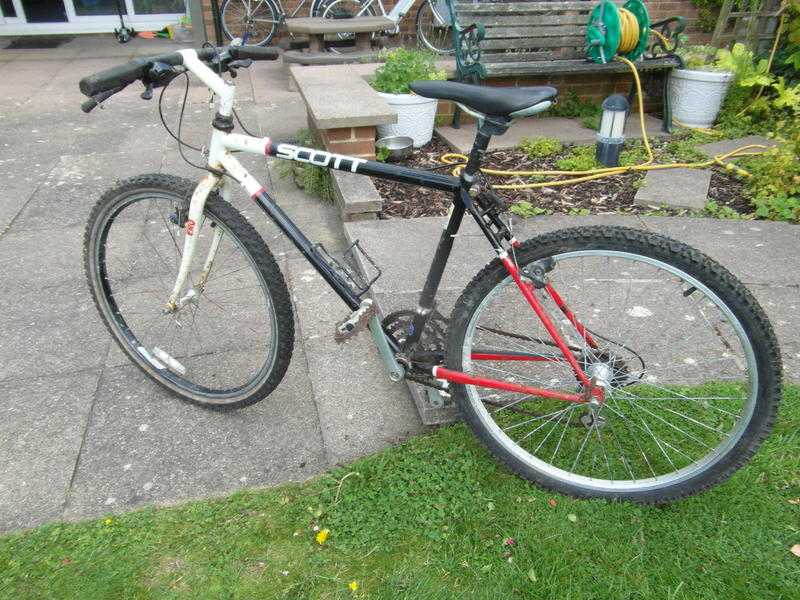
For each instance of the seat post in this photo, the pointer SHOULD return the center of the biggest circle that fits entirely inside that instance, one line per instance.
(489, 126)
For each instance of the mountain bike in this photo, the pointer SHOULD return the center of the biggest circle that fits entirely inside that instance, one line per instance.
(597, 361)
(257, 21)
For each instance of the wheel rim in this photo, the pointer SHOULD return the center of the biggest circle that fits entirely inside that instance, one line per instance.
(652, 411)
(257, 18)
(344, 9)
(433, 30)
(225, 339)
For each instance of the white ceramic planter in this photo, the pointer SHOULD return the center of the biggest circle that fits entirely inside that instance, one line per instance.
(415, 117)
(696, 96)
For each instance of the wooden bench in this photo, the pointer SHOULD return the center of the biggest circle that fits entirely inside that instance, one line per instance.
(542, 39)
(316, 28)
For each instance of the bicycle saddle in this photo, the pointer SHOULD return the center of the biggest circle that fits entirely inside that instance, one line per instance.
(494, 101)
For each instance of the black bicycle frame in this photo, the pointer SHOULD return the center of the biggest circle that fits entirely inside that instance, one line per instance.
(458, 186)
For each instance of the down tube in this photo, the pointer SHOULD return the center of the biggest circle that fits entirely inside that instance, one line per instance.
(305, 246)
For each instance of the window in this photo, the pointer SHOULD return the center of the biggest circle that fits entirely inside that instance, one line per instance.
(88, 8)
(153, 7)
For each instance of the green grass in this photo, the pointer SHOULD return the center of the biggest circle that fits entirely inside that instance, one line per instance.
(428, 519)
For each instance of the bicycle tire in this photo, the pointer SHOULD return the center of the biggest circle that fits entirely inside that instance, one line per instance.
(228, 28)
(657, 249)
(443, 43)
(108, 208)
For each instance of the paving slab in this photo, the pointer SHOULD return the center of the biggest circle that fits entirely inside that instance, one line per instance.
(144, 446)
(41, 424)
(676, 188)
(725, 146)
(360, 410)
(568, 131)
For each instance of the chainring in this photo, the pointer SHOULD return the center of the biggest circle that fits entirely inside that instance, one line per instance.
(400, 325)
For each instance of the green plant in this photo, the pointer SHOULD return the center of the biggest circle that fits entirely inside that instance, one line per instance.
(404, 66)
(699, 58)
(720, 211)
(572, 106)
(316, 181)
(633, 154)
(526, 210)
(774, 188)
(684, 149)
(707, 14)
(382, 154)
(540, 147)
(581, 158)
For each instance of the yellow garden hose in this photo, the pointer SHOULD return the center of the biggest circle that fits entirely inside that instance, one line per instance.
(581, 176)
(630, 31)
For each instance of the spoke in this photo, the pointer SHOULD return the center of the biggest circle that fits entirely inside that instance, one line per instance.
(537, 418)
(580, 451)
(530, 433)
(561, 438)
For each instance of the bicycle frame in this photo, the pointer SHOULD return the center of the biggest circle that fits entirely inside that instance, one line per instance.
(222, 160)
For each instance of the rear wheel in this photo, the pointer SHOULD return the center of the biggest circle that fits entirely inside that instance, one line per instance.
(258, 20)
(344, 9)
(433, 25)
(687, 359)
(229, 342)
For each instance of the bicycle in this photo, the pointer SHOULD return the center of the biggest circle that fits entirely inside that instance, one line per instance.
(596, 361)
(258, 22)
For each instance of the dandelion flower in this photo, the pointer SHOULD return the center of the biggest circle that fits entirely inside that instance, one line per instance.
(353, 586)
(108, 521)
(322, 536)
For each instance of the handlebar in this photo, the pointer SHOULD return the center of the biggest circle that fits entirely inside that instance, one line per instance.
(116, 78)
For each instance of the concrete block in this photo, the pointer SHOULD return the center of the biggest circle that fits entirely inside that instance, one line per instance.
(356, 196)
(725, 146)
(336, 96)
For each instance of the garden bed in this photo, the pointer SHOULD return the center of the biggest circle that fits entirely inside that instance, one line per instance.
(602, 196)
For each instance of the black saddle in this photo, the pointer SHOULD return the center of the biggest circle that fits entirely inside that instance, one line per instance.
(491, 101)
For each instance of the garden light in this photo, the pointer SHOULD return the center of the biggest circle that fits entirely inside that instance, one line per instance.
(611, 135)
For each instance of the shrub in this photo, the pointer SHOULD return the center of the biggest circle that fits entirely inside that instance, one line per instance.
(541, 147)
(774, 188)
(404, 66)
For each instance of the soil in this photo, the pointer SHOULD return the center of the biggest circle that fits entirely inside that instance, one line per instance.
(602, 196)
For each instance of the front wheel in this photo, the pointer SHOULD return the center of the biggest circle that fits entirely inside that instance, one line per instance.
(228, 340)
(433, 24)
(687, 360)
(254, 21)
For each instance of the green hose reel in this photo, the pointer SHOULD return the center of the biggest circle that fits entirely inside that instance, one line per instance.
(613, 31)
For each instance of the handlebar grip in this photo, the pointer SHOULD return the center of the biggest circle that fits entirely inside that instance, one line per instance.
(122, 75)
(255, 52)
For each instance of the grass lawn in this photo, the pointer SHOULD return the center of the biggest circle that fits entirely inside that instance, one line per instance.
(432, 519)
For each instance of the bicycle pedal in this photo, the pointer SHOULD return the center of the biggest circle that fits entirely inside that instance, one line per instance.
(356, 322)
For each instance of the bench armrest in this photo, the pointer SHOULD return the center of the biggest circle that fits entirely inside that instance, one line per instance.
(670, 31)
(466, 45)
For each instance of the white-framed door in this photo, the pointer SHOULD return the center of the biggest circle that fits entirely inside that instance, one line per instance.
(92, 16)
